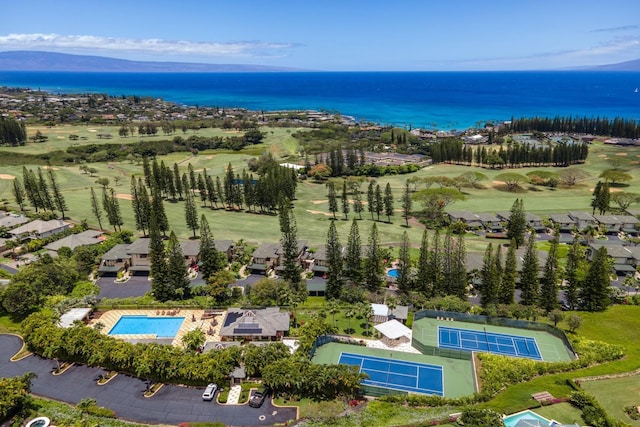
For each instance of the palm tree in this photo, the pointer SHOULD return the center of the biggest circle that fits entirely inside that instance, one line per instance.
(365, 311)
(193, 340)
(84, 405)
(349, 314)
(590, 232)
(333, 309)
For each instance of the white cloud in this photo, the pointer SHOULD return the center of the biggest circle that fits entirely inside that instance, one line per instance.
(145, 46)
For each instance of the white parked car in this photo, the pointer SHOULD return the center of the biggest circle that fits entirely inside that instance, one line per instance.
(209, 392)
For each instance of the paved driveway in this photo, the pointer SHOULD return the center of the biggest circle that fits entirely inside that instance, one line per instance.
(124, 394)
(136, 286)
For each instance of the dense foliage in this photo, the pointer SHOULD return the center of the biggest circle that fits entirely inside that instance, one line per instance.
(14, 394)
(618, 127)
(499, 372)
(162, 363)
(514, 155)
(592, 413)
(12, 132)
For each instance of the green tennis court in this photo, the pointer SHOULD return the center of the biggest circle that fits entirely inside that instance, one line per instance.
(549, 347)
(457, 374)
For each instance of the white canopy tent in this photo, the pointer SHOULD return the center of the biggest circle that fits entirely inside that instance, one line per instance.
(67, 319)
(394, 332)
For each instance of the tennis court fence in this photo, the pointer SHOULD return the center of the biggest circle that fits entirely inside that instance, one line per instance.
(324, 339)
(487, 320)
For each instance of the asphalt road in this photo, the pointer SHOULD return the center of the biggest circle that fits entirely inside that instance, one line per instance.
(124, 394)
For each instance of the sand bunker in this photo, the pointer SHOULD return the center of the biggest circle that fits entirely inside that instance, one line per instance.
(124, 196)
(209, 157)
(319, 212)
(317, 202)
(50, 167)
(6, 176)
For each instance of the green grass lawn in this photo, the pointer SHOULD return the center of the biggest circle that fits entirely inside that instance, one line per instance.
(618, 325)
(615, 394)
(561, 412)
(8, 324)
(311, 208)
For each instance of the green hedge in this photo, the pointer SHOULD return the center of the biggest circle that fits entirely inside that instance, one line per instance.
(498, 372)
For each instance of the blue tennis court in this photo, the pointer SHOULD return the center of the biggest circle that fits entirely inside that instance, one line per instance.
(491, 342)
(397, 374)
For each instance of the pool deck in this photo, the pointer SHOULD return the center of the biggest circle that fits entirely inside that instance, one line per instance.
(110, 318)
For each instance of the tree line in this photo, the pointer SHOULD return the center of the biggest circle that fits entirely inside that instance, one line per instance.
(619, 127)
(514, 155)
(441, 270)
(43, 193)
(12, 132)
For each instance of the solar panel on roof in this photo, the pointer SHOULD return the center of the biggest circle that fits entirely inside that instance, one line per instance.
(256, 331)
(231, 317)
(248, 325)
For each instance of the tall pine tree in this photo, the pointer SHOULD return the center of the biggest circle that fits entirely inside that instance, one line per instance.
(594, 295)
(58, 198)
(334, 263)
(574, 273)
(95, 208)
(488, 278)
(388, 202)
(211, 260)
(424, 283)
(160, 285)
(191, 215)
(373, 262)
(345, 200)
(529, 281)
(551, 276)
(177, 271)
(353, 258)
(292, 270)
(517, 226)
(403, 280)
(407, 203)
(506, 295)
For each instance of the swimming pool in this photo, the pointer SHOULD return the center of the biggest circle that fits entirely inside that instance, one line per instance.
(161, 327)
(536, 420)
(393, 273)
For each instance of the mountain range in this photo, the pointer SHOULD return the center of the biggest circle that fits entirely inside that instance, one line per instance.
(53, 61)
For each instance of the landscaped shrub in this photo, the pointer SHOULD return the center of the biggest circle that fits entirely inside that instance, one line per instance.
(592, 413)
(498, 372)
(481, 418)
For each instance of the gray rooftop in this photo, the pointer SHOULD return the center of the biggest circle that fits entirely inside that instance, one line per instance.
(119, 251)
(140, 246)
(265, 322)
(88, 237)
(11, 221)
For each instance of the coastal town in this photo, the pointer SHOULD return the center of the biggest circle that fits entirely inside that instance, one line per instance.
(261, 261)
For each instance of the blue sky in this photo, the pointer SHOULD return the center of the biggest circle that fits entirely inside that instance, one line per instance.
(334, 35)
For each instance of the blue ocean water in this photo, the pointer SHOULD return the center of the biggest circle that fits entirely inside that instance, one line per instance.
(441, 100)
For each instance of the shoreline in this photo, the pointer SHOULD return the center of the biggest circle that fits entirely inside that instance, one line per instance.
(425, 100)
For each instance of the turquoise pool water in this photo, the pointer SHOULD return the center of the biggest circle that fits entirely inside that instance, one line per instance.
(162, 327)
(393, 273)
(536, 419)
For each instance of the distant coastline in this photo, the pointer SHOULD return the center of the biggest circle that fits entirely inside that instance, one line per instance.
(429, 100)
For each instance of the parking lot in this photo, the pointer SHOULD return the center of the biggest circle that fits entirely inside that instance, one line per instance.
(124, 394)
